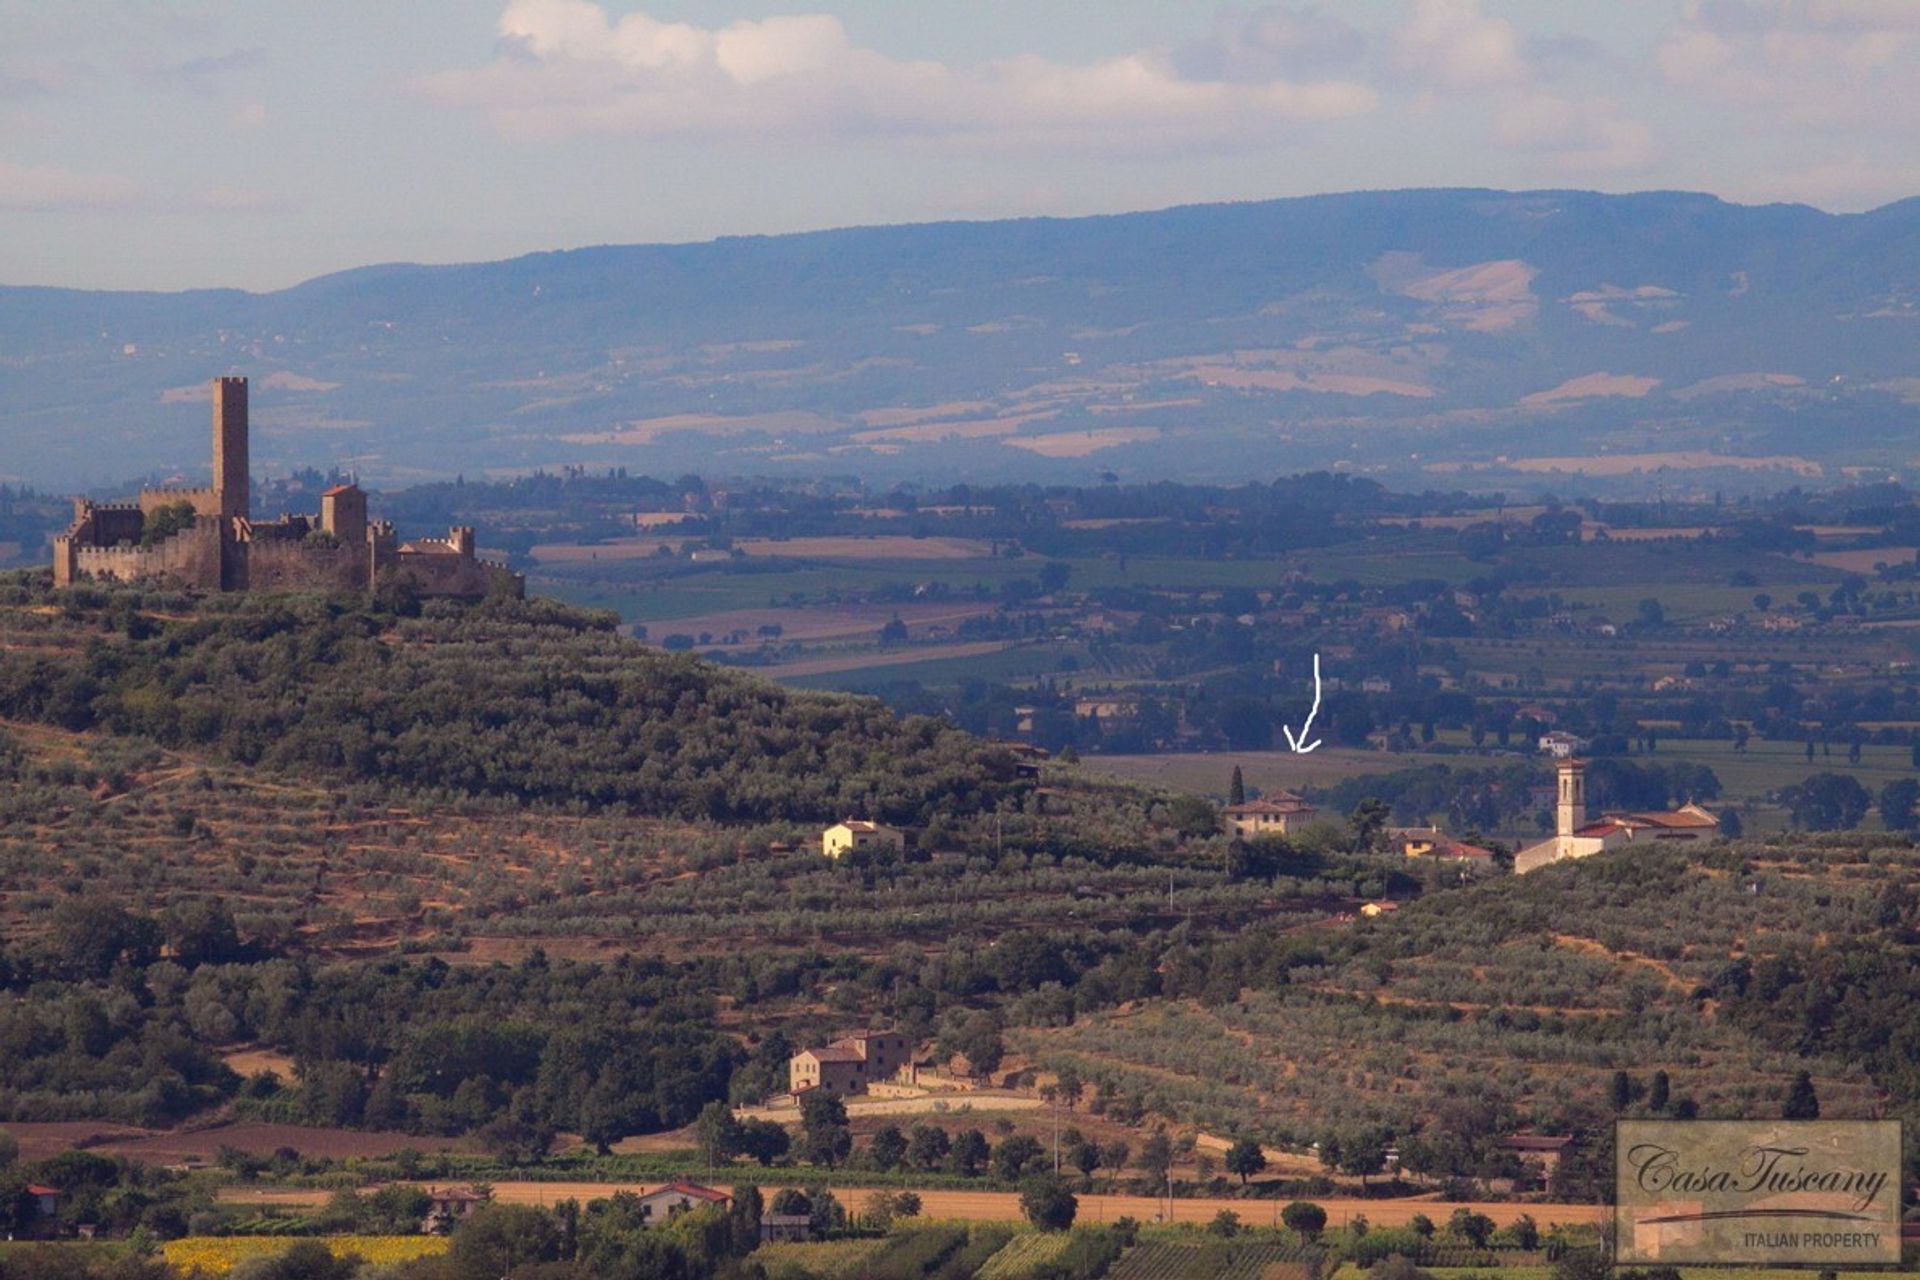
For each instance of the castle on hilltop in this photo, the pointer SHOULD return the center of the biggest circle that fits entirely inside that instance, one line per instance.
(208, 540)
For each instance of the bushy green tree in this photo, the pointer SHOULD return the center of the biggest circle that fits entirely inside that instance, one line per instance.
(1047, 1204)
(1245, 1159)
(1305, 1218)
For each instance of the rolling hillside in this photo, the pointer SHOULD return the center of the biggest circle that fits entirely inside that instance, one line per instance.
(1461, 325)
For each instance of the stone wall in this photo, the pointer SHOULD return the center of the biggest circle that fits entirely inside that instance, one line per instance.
(438, 573)
(281, 565)
(191, 558)
(205, 501)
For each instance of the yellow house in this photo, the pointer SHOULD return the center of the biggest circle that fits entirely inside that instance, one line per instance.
(1279, 815)
(858, 833)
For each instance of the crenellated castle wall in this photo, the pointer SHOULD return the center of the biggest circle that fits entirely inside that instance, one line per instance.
(206, 502)
(193, 558)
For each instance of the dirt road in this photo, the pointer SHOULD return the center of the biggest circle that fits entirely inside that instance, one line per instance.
(952, 1104)
(1004, 1206)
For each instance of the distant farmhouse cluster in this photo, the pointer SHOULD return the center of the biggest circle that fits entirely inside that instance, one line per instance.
(207, 539)
(1575, 837)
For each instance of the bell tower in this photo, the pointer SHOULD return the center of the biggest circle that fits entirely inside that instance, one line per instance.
(231, 484)
(1571, 813)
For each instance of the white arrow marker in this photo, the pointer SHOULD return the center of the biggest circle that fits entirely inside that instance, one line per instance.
(1307, 728)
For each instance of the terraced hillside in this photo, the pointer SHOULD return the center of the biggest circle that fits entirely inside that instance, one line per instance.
(1519, 999)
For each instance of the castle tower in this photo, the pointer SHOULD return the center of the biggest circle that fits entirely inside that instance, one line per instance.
(231, 484)
(343, 513)
(1571, 812)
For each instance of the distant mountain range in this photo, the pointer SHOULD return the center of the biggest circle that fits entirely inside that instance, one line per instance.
(1408, 333)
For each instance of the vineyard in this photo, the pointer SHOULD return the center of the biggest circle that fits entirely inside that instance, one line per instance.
(824, 1260)
(1023, 1255)
(1218, 1260)
(217, 1255)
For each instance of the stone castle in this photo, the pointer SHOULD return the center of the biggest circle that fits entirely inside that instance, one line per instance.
(208, 540)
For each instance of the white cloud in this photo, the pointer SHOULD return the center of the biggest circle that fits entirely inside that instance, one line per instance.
(1455, 55)
(1829, 64)
(1454, 44)
(566, 68)
(40, 188)
(1251, 45)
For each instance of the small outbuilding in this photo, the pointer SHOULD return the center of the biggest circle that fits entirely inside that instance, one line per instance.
(858, 833)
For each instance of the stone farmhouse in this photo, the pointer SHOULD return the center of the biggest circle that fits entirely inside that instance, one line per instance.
(1575, 837)
(448, 1207)
(1276, 815)
(858, 833)
(849, 1064)
(208, 540)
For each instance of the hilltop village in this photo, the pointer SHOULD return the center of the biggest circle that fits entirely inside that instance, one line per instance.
(208, 539)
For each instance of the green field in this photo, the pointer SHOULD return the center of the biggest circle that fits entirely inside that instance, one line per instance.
(1021, 662)
(1208, 773)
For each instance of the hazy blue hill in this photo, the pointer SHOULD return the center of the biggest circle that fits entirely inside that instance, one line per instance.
(1345, 302)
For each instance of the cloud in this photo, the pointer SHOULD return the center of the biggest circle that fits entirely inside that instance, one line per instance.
(1835, 65)
(1456, 54)
(565, 68)
(213, 66)
(1251, 45)
(1454, 44)
(31, 187)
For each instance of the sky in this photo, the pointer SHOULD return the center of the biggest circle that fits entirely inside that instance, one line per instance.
(148, 144)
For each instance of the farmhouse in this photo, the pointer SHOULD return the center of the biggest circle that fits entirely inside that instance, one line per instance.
(1575, 837)
(448, 1206)
(780, 1228)
(676, 1198)
(1108, 710)
(848, 1064)
(1431, 842)
(1561, 745)
(41, 1216)
(858, 833)
(1277, 815)
(1543, 1152)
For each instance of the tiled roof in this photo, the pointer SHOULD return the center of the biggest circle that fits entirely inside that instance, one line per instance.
(1537, 1141)
(1687, 816)
(695, 1191)
(836, 1053)
(1285, 804)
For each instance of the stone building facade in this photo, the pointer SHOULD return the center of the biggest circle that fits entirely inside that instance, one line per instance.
(211, 542)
